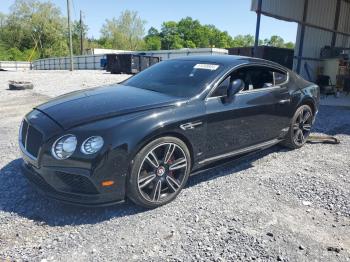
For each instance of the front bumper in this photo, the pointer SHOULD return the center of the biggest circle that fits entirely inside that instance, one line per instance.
(47, 183)
(81, 178)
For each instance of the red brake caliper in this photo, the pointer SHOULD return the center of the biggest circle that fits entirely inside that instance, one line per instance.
(171, 160)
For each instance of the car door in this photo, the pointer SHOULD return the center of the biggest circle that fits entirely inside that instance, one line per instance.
(255, 115)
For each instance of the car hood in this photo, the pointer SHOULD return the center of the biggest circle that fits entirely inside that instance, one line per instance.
(85, 106)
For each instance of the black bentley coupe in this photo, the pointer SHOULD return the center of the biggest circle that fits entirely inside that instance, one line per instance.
(142, 138)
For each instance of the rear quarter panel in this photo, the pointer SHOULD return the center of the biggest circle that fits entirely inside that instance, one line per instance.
(304, 92)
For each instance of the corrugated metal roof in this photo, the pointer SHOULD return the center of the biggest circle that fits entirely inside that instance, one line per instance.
(285, 8)
(344, 17)
(342, 41)
(321, 13)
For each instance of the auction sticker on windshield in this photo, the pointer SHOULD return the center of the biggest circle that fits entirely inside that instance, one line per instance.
(211, 67)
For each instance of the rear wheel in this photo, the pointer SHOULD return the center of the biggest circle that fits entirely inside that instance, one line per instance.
(300, 128)
(159, 172)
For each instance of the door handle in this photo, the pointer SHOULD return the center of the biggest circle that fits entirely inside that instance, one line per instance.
(284, 101)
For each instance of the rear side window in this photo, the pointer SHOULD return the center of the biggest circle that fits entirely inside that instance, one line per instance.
(259, 77)
(279, 77)
(254, 78)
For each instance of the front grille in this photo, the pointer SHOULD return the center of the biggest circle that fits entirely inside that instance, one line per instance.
(77, 184)
(44, 186)
(37, 179)
(31, 138)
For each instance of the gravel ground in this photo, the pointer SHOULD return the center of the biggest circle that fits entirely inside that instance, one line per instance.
(55, 83)
(275, 205)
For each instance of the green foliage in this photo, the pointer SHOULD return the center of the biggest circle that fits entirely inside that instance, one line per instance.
(243, 41)
(15, 54)
(36, 29)
(125, 32)
(76, 31)
(33, 24)
(153, 43)
(277, 41)
(153, 40)
(289, 45)
(38, 24)
(189, 33)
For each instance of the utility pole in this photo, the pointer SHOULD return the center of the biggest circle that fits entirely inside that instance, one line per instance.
(257, 30)
(81, 33)
(70, 37)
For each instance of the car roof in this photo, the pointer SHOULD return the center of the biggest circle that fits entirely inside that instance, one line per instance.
(227, 60)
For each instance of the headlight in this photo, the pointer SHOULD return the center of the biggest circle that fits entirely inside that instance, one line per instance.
(92, 145)
(64, 147)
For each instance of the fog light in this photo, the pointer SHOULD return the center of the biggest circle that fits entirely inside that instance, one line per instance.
(108, 183)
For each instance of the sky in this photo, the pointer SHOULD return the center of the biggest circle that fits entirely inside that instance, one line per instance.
(233, 16)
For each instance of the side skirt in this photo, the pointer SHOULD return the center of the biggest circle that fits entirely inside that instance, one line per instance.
(241, 151)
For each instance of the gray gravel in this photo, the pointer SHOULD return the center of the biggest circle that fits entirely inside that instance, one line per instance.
(276, 205)
(57, 82)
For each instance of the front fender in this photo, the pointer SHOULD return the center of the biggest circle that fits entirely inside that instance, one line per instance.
(158, 123)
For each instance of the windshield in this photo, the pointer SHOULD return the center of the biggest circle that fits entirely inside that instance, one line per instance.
(181, 78)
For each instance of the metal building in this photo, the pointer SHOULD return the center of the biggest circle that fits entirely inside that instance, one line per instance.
(321, 23)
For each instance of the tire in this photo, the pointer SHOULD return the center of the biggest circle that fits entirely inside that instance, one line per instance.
(300, 128)
(158, 172)
(20, 85)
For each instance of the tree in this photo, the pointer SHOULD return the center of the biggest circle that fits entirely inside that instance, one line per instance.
(125, 32)
(216, 38)
(153, 40)
(34, 28)
(243, 41)
(170, 37)
(41, 25)
(76, 30)
(277, 41)
(153, 43)
(289, 45)
(188, 33)
(3, 19)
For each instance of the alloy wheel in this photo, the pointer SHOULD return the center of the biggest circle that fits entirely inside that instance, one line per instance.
(162, 172)
(302, 126)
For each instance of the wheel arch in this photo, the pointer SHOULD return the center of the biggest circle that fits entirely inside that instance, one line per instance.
(309, 102)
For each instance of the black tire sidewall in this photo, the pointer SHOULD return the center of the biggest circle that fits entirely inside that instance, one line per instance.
(132, 183)
(290, 137)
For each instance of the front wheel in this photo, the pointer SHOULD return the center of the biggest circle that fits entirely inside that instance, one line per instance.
(159, 172)
(300, 128)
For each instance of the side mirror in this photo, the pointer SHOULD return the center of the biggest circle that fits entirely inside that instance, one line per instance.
(235, 87)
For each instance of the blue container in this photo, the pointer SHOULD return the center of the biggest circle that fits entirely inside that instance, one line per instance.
(103, 62)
